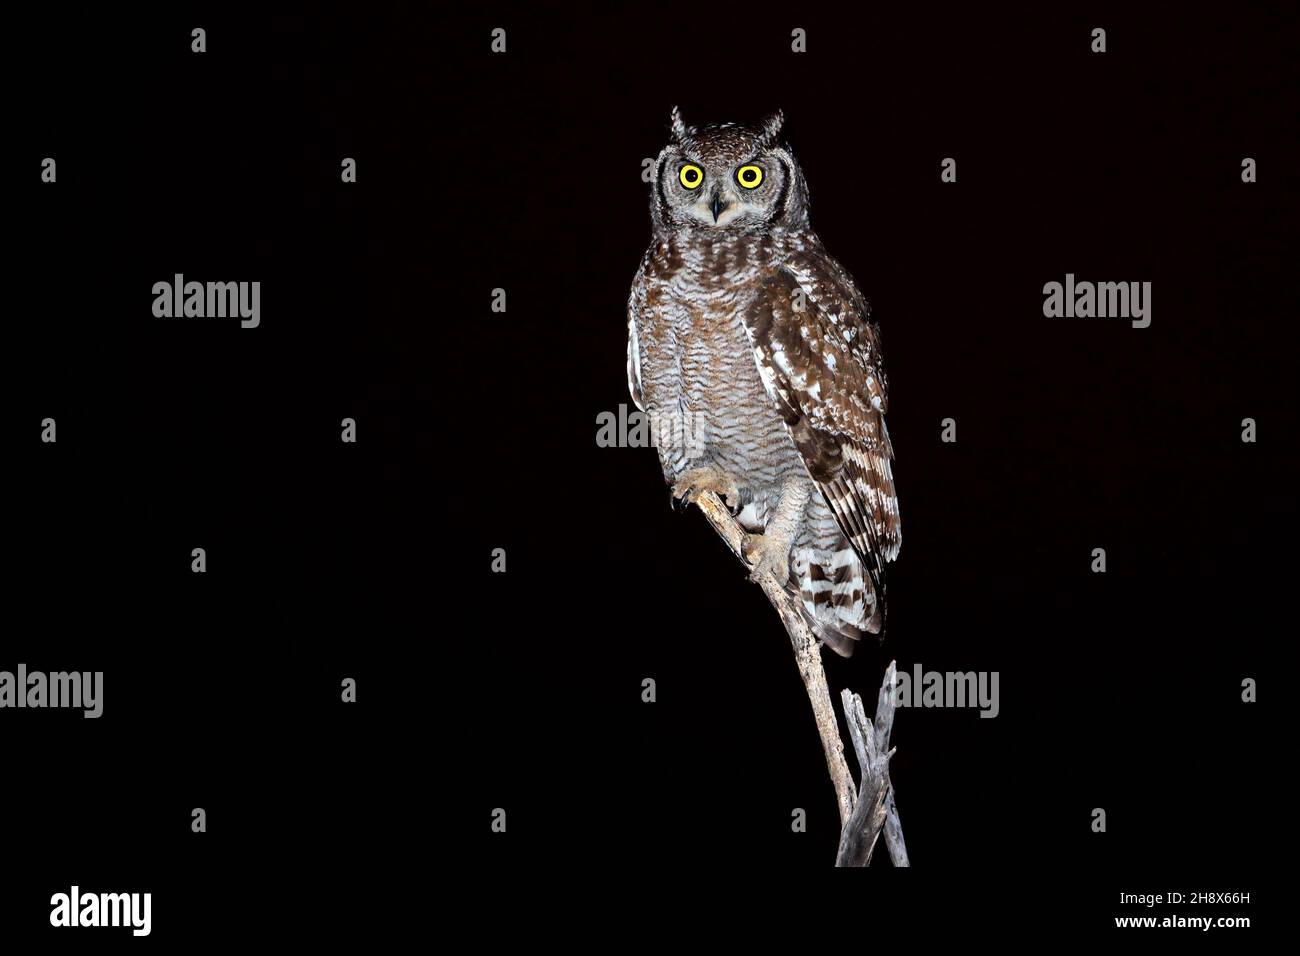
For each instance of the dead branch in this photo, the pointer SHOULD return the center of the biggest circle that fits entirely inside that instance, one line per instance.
(875, 806)
(864, 810)
(807, 654)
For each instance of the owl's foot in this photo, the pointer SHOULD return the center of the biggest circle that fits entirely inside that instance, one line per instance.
(697, 481)
(767, 556)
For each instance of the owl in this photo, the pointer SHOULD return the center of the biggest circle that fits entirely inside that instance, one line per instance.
(752, 354)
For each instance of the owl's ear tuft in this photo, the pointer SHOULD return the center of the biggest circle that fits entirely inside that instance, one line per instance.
(680, 132)
(772, 129)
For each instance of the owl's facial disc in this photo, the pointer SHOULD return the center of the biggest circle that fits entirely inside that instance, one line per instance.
(722, 178)
(720, 194)
(717, 203)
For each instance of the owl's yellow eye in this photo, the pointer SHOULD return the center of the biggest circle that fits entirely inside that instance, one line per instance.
(691, 176)
(749, 176)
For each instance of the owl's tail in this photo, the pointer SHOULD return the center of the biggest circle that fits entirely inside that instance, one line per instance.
(837, 596)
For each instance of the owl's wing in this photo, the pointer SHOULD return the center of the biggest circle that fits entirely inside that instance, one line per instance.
(819, 358)
(635, 304)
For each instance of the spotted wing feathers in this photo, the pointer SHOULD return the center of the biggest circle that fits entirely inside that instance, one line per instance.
(819, 359)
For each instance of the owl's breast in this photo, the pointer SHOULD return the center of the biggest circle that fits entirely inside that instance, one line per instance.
(716, 375)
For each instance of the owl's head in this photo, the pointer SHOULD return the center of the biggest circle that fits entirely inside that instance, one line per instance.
(728, 176)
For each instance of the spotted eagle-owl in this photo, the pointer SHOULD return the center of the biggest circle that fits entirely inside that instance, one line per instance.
(751, 352)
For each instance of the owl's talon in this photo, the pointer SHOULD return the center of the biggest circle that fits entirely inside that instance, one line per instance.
(767, 557)
(688, 488)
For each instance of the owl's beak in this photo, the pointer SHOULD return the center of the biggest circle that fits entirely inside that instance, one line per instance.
(716, 206)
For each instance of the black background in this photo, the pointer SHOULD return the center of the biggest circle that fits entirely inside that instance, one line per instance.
(477, 431)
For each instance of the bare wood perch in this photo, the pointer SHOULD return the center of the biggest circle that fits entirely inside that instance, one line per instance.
(807, 655)
(875, 807)
(863, 811)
